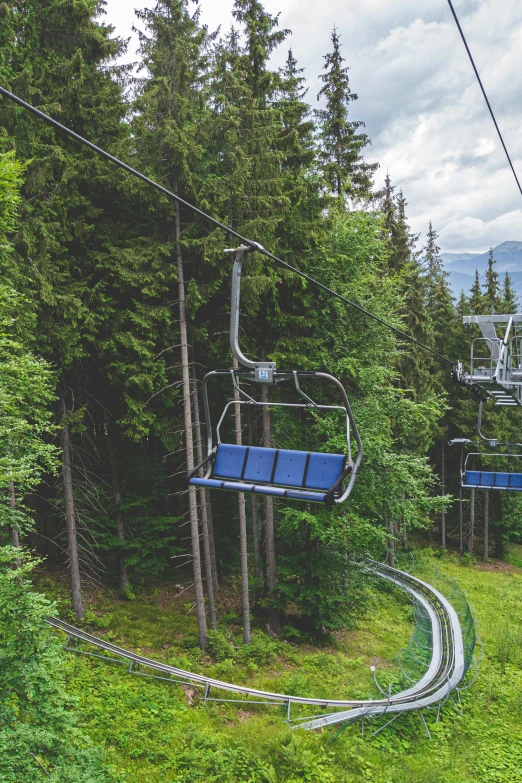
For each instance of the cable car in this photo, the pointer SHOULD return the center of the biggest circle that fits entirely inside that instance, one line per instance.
(316, 477)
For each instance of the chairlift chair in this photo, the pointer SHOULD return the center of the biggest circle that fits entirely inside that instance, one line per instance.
(295, 475)
(475, 456)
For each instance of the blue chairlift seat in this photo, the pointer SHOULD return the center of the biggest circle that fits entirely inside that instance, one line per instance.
(297, 475)
(481, 479)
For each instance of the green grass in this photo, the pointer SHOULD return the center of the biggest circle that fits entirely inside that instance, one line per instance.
(151, 735)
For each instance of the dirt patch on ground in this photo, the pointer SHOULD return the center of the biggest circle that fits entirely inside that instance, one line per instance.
(496, 565)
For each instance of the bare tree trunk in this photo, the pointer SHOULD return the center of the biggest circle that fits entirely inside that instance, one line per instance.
(391, 546)
(443, 492)
(189, 445)
(210, 525)
(114, 461)
(253, 508)
(471, 539)
(245, 598)
(269, 515)
(15, 537)
(203, 506)
(486, 525)
(70, 521)
(461, 524)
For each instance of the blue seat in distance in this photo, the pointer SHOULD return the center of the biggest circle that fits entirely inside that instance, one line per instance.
(296, 475)
(476, 479)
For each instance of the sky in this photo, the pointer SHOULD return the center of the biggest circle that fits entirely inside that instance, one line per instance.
(418, 96)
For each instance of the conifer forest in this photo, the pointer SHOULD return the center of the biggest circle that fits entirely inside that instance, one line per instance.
(115, 302)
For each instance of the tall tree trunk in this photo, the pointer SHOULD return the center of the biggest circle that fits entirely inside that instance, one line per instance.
(206, 504)
(391, 546)
(114, 460)
(443, 492)
(461, 524)
(486, 525)
(70, 520)
(15, 537)
(245, 598)
(471, 540)
(210, 525)
(189, 445)
(203, 506)
(269, 514)
(253, 509)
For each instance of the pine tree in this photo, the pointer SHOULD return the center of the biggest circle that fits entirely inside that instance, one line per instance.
(262, 37)
(169, 109)
(301, 227)
(344, 170)
(405, 269)
(400, 241)
(58, 56)
(509, 300)
(492, 288)
(476, 302)
(433, 263)
(439, 299)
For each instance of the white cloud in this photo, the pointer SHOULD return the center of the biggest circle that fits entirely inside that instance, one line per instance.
(419, 98)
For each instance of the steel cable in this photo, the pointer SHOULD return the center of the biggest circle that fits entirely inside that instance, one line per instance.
(484, 92)
(249, 242)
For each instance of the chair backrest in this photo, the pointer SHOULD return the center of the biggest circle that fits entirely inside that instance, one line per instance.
(491, 480)
(304, 469)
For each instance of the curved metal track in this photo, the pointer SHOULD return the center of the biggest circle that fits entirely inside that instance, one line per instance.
(446, 669)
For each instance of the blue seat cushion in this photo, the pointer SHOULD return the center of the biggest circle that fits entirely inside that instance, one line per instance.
(487, 479)
(473, 478)
(290, 468)
(324, 470)
(515, 480)
(229, 461)
(501, 479)
(259, 465)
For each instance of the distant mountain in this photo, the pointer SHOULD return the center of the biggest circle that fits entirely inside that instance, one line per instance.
(462, 266)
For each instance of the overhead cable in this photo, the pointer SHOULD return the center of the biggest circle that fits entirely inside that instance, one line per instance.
(484, 93)
(249, 242)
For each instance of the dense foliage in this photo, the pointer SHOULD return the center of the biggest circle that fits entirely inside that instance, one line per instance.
(114, 303)
(39, 733)
(92, 260)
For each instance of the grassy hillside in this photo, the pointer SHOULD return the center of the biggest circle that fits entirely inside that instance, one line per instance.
(152, 735)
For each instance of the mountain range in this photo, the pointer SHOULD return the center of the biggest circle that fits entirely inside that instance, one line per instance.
(461, 266)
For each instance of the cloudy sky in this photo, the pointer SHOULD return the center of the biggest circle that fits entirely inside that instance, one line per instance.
(419, 98)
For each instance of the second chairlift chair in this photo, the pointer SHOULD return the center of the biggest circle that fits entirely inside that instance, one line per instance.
(474, 471)
(295, 475)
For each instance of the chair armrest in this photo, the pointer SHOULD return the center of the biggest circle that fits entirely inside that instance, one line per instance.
(201, 464)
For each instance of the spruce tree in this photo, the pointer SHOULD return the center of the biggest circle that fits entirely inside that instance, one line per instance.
(492, 288)
(262, 37)
(477, 303)
(59, 56)
(344, 171)
(405, 269)
(509, 300)
(439, 299)
(169, 110)
(301, 227)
